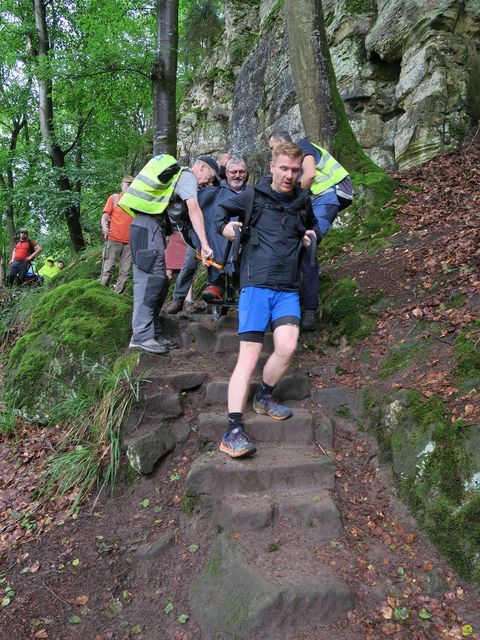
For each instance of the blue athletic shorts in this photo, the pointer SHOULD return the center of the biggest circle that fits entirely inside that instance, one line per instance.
(258, 307)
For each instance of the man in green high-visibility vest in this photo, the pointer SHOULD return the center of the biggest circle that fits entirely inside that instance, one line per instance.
(331, 190)
(162, 195)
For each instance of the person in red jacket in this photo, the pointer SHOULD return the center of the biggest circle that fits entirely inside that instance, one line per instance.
(116, 232)
(24, 252)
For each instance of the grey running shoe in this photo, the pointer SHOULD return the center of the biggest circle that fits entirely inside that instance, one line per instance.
(270, 407)
(237, 444)
(151, 346)
(168, 342)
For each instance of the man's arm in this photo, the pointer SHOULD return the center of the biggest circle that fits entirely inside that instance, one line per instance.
(196, 216)
(230, 208)
(309, 168)
(38, 250)
(13, 257)
(106, 217)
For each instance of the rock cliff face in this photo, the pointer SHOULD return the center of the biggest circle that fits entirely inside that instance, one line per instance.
(408, 72)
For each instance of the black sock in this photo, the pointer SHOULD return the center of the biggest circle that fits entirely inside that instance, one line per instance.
(265, 390)
(234, 421)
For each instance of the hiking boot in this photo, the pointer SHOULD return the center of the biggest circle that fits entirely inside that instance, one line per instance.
(212, 293)
(151, 346)
(167, 342)
(237, 444)
(309, 320)
(174, 307)
(270, 407)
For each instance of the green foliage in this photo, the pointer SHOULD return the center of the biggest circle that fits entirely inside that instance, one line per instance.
(8, 420)
(403, 355)
(355, 7)
(345, 309)
(89, 452)
(467, 351)
(189, 502)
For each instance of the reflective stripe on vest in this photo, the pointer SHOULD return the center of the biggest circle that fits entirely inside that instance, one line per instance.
(147, 194)
(328, 172)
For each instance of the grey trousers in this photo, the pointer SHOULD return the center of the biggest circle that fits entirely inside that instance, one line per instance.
(150, 282)
(116, 252)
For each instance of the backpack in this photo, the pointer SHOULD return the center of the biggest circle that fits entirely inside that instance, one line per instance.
(252, 216)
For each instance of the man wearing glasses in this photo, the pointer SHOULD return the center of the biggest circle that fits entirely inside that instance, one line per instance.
(209, 198)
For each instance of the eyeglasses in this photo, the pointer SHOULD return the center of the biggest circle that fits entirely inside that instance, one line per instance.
(240, 172)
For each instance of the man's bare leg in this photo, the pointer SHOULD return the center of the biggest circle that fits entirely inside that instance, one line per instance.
(240, 379)
(235, 441)
(285, 339)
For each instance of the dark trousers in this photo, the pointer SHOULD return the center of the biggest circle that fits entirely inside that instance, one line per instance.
(310, 282)
(18, 269)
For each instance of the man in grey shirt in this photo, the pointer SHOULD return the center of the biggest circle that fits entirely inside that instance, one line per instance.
(157, 183)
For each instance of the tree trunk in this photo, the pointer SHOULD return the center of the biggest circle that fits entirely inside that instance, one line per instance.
(164, 79)
(321, 107)
(57, 155)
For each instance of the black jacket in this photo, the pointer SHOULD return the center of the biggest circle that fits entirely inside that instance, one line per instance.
(270, 254)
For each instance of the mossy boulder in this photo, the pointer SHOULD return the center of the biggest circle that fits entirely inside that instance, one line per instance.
(75, 329)
(436, 464)
(346, 309)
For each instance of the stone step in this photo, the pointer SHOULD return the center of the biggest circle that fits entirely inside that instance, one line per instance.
(181, 381)
(313, 511)
(232, 598)
(163, 404)
(293, 387)
(147, 444)
(296, 430)
(272, 468)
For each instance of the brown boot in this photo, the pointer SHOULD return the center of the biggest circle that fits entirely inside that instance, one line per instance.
(174, 307)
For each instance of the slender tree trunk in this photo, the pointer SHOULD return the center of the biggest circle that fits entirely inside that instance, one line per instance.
(7, 184)
(321, 107)
(164, 79)
(57, 155)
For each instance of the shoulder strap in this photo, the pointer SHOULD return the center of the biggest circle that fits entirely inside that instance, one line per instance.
(250, 197)
(115, 199)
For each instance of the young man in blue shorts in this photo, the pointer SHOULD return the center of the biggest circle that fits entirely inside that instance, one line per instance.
(331, 190)
(282, 223)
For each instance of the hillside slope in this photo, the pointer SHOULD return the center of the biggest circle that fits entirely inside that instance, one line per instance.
(123, 569)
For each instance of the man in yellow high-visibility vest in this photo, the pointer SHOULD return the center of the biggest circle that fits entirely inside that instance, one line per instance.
(158, 197)
(331, 190)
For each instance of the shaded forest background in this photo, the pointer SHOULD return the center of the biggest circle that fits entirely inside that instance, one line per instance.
(76, 107)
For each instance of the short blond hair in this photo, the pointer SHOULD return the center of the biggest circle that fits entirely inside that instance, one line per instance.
(286, 148)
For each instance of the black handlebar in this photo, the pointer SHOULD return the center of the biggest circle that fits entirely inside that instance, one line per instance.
(312, 250)
(236, 243)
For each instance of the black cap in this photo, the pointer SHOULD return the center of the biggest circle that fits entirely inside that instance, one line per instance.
(211, 163)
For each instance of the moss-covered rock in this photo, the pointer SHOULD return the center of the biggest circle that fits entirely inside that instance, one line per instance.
(436, 463)
(74, 330)
(346, 309)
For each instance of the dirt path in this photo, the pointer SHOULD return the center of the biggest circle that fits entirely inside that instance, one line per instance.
(125, 569)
